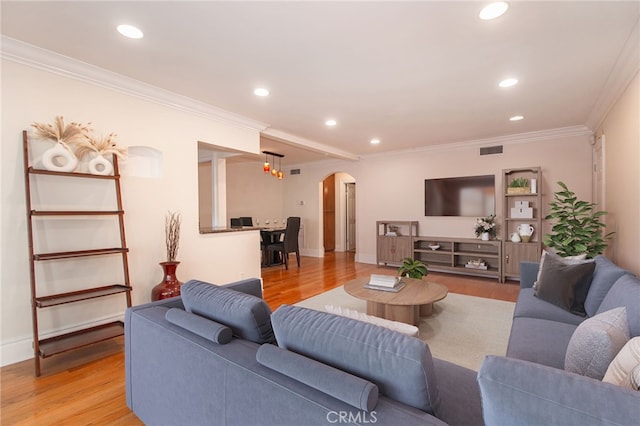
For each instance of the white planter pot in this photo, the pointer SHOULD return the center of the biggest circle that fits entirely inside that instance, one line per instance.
(485, 236)
(100, 166)
(59, 159)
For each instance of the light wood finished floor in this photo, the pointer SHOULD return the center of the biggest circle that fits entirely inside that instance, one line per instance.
(86, 386)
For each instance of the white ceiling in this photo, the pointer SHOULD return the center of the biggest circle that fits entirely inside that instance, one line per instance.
(412, 74)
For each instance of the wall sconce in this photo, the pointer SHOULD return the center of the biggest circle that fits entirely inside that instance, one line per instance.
(274, 172)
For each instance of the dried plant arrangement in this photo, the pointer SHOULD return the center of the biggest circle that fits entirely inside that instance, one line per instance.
(172, 234)
(101, 146)
(66, 134)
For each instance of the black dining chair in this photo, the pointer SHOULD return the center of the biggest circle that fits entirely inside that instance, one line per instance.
(290, 242)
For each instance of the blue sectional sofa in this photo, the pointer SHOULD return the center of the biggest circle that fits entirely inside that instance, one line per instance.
(208, 357)
(530, 386)
(217, 355)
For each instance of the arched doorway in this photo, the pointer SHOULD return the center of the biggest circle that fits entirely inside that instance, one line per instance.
(338, 212)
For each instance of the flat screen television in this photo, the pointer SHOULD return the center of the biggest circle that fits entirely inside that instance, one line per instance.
(460, 196)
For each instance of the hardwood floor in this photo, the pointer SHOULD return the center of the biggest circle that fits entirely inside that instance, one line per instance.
(86, 386)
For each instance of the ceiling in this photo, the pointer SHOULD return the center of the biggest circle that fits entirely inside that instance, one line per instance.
(412, 74)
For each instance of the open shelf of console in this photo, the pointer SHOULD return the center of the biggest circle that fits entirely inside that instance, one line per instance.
(465, 256)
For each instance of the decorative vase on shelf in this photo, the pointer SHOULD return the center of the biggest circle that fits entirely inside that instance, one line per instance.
(169, 286)
(59, 158)
(100, 166)
(485, 236)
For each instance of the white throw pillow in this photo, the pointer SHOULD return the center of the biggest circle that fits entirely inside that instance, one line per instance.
(628, 359)
(409, 330)
(596, 342)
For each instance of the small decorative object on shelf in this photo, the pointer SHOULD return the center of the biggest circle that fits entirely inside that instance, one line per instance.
(61, 158)
(434, 247)
(486, 227)
(476, 264)
(170, 285)
(100, 147)
(519, 185)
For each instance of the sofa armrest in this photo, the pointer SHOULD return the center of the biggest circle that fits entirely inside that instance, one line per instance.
(528, 273)
(252, 286)
(517, 392)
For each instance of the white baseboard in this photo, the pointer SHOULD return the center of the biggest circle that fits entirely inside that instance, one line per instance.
(21, 348)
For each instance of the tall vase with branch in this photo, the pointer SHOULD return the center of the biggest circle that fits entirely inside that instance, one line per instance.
(170, 285)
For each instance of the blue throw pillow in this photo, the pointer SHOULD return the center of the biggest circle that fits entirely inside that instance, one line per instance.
(399, 365)
(248, 316)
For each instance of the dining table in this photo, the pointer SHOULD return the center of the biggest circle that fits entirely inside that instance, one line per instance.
(270, 236)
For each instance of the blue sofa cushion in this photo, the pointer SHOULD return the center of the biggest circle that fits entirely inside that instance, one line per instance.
(625, 292)
(399, 365)
(605, 274)
(201, 326)
(564, 284)
(596, 342)
(247, 316)
(516, 392)
(539, 340)
(353, 390)
(532, 307)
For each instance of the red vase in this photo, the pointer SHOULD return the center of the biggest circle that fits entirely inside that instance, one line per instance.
(170, 286)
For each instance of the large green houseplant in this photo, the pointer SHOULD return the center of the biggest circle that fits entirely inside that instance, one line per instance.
(578, 228)
(413, 268)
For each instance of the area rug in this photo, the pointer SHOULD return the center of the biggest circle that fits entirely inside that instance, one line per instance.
(463, 329)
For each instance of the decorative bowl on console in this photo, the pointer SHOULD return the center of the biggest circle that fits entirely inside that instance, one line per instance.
(434, 246)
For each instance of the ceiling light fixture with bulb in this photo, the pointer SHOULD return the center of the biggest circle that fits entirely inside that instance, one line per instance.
(493, 10)
(130, 31)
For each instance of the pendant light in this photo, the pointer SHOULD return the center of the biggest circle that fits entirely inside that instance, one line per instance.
(280, 172)
(266, 167)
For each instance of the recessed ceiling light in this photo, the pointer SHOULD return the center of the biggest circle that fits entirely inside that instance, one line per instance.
(331, 122)
(493, 10)
(261, 91)
(508, 82)
(516, 118)
(130, 31)
(375, 141)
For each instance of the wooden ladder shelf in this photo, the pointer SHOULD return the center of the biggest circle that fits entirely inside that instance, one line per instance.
(44, 348)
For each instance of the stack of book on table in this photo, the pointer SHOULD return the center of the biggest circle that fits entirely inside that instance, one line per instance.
(384, 283)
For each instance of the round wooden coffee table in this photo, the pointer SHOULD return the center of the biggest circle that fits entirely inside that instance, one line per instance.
(414, 300)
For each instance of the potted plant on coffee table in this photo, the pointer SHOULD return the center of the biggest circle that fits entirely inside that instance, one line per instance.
(414, 268)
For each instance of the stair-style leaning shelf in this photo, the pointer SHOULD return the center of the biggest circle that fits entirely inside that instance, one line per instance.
(454, 255)
(44, 348)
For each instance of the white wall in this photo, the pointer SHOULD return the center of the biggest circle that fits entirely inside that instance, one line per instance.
(621, 128)
(391, 187)
(30, 94)
(252, 192)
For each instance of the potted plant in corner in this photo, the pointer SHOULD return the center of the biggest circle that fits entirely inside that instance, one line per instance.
(578, 228)
(170, 285)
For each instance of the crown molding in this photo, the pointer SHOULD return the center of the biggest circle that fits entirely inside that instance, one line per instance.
(42, 59)
(519, 138)
(308, 144)
(625, 69)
